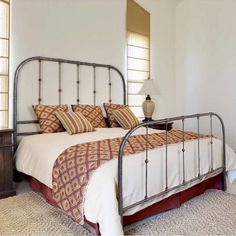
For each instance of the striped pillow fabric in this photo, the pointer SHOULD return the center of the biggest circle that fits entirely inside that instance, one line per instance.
(74, 122)
(125, 117)
(109, 107)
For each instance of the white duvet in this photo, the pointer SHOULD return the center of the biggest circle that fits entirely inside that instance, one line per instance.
(36, 155)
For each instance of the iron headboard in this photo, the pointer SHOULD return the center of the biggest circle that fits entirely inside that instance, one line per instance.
(59, 61)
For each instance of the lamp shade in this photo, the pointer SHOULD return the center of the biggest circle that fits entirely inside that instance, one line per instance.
(149, 88)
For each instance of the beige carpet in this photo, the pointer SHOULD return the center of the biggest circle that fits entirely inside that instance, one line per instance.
(211, 213)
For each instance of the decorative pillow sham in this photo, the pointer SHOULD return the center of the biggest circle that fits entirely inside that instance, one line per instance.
(48, 122)
(109, 107)
(74, 122)
(125, 117)
(92, 113)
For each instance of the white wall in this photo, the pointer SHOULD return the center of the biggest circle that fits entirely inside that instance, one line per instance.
(206, 60)
(86, 30)
(162, 53)
(95, 31)
(92, 31)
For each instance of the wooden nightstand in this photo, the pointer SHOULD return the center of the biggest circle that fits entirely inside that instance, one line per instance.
(6, 163)
(162, 126)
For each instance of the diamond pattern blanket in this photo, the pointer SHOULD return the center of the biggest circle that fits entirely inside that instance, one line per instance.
(75, 166)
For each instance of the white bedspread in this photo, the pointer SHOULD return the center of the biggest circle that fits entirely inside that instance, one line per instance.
(36, 155)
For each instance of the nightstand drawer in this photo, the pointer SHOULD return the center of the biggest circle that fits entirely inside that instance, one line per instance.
(6, 163)
(5, 139)
(5, 168)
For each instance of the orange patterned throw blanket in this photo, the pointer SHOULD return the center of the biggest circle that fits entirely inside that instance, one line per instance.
(74, 167)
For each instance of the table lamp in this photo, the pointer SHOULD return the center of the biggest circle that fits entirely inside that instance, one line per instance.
(148, 105)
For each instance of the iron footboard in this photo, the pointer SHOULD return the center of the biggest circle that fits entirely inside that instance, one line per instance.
(147, 198)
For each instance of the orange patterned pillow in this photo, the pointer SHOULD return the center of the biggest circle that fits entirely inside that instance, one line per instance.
(125, 117)
(46, 116)
(92, 113)
(109, 107)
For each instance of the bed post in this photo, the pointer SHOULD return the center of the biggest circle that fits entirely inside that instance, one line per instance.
(224, 149)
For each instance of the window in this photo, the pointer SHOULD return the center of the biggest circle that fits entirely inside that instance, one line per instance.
(4, 61)
(138, 69)
(138, 54)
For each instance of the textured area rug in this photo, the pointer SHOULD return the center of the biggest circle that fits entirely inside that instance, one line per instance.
(209, 214)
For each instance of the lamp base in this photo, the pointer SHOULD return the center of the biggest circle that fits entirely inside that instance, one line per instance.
(148, 109)
(147, 119)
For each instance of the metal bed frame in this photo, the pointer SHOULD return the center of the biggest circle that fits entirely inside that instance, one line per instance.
(200, 176)
(146, 198)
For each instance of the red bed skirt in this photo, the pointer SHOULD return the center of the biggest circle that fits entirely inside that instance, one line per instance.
(171, 202)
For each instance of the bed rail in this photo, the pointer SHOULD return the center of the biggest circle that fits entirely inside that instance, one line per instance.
(212, 171)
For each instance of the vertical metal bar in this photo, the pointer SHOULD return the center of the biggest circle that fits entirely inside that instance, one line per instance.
(146, 164)
(166, 157)
(94, 85)
(59, 89)
(109, 74)
(78, 84)
(223, 154)
(223, 151)
(211, 143)
(40, 82)
(183, 150)
(198, 147)
(120, 176)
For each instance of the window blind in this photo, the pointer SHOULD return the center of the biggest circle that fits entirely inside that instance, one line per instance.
(4, 61)
(138, 54)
